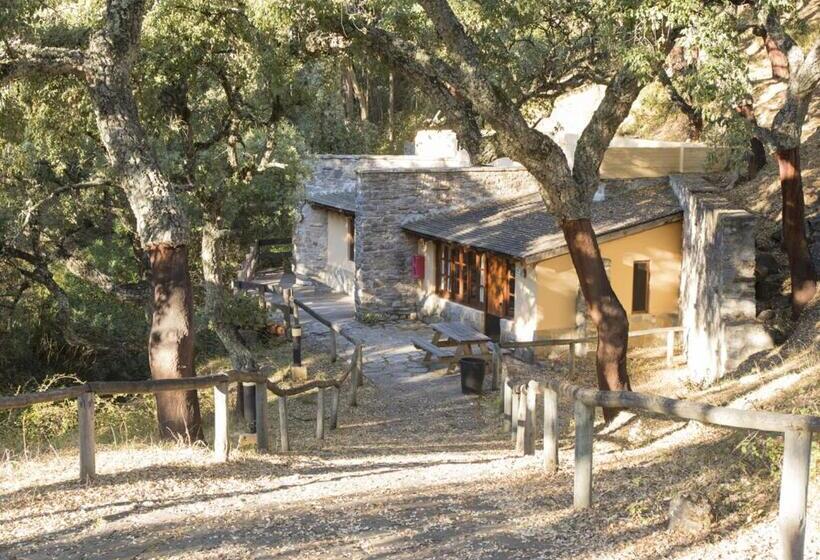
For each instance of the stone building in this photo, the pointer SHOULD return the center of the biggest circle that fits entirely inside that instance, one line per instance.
(421, 236)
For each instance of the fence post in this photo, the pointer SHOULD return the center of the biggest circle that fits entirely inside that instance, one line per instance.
(334, 407)
(360, 367)
(497, 367)
(283, 424)
(262, 432)
(354, 374)
(584, 418)
(670, 347)
(523, 421)
(532, 404)
(794, 482)
(332, 345)
(88, 447)
(287, 294)
(550, 429)
(571, 359)
(221, 422)
(320, 414)
(507, 405)
(514, 412)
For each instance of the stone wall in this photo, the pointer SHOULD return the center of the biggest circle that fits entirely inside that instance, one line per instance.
(717, 296)
(388, 198)
(338, 173)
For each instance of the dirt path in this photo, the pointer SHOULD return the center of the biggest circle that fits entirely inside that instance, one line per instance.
(416, 471)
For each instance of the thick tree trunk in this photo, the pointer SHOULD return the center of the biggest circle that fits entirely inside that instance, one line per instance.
(606, 311)
(159, 214)
(171, 341)
(212, 255)
(803, 275)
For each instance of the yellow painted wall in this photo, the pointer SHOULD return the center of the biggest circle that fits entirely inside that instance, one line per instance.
(337, 241)
(558, 283)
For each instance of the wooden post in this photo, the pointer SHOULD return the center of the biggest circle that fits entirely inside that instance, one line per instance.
(794, 483)
(332, 345)
(670, 347)
(507, 405)
(497, 367)
(521, 433)
(283, 424)
(262, 432)
(532, 404)
(296, 335)
(514, 412)
(262, 303)
(221, 422)
(334, 408)
(360, 367)
(320, 414)
(287, 296)
(88, 447)
(354, 374)
(550, 429)
(503, 396)
(584, 418)
(571, 359)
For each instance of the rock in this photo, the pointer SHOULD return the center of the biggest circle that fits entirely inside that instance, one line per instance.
(691, 514)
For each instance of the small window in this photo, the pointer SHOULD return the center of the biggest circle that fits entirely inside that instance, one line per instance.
(351, 239)
(640, 287)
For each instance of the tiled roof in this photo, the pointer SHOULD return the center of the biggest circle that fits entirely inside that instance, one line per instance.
(344, 201)
(522, 228)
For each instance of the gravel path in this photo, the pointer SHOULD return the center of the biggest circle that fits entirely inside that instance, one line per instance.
(416, 471)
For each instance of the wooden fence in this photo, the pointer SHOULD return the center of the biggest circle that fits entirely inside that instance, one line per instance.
(519, 405)
(571, 343)
(85, 393)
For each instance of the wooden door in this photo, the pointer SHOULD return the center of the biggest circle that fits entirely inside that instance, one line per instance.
(496, 285)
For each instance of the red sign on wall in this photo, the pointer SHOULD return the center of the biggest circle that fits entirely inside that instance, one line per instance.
(418, 267)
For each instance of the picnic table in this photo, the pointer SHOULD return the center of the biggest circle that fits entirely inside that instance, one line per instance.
(451, 342)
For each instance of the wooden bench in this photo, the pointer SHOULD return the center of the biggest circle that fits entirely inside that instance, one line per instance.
(442, 354)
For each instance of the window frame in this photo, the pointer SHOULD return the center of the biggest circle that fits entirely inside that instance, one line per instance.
(461, 276)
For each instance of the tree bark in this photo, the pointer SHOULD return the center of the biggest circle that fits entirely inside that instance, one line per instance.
(606, 311)
(803, 275)
(171, 342)
(161, 220)
(212, 256)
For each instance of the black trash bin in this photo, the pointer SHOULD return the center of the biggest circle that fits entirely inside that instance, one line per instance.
(472, 374)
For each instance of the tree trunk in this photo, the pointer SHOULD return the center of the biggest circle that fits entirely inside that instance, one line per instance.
(391, 105)
(160, 217)
(171, 341)
(212, 256)
(605, 310)
(777, 58)
(803, 275)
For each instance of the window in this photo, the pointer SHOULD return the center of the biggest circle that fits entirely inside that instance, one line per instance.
(510, 303)
(461, 276)
(640, 287)
(351, 238)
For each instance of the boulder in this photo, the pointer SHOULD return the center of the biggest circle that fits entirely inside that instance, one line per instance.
(691, 514)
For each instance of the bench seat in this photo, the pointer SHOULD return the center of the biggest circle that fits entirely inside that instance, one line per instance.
(433, 350)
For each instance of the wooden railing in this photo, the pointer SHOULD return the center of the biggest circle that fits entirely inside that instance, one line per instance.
(85, 404)
(519, 405)
(571, 343)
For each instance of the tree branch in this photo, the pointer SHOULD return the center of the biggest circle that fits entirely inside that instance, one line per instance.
(26, 60)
